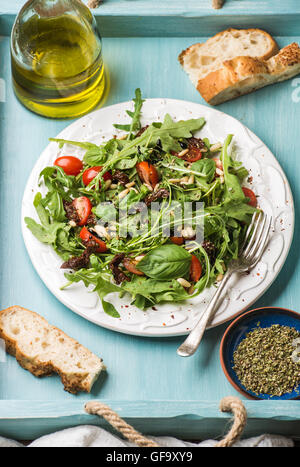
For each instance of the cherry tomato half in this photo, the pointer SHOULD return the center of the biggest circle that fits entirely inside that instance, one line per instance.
(71, 165)
(86, 236)
(83, 208)
(193, 155)
(249, 194)
(195, 269)
(131, 267)
(194, 152)
(89, 174)
(147, 173)
(177, 240)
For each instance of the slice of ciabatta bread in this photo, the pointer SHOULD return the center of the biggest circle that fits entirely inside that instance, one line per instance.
(43, 349)
(199, 60)
(242, 75)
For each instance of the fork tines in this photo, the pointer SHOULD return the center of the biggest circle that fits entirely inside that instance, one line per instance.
(256, 237)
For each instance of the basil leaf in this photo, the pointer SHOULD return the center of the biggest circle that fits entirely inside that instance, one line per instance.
(166, 262)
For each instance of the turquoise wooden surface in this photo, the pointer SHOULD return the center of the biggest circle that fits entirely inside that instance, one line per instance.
(142, 373)
(184, 18)
(202, 420)
(178, 7)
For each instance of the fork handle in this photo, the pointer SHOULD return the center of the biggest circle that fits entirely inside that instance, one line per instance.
(191, 343)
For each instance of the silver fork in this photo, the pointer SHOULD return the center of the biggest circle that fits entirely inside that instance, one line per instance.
(253, 247)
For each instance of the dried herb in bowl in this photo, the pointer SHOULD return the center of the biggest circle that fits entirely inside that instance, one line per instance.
(263, 360)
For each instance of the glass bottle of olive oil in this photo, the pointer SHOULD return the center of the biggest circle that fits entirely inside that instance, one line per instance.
(57, 67)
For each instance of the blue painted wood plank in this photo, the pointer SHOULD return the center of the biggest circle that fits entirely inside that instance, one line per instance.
(118, 18)
(187, 419)
(179, 7)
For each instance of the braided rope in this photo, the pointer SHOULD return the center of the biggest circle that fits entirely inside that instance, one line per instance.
(94, 3)
(217, 4)
(227, 404)
(102, 410)
(234, 405)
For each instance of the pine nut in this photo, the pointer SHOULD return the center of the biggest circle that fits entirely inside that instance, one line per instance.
(184, 180)
(101, 231)
(184, 282)
(72, 223)
(215, 147)
(113, 186)
(191, 180)
(219, 277)
(123, 193)
(219, 171)
(129, 185)
(139, 258)
(183, 153)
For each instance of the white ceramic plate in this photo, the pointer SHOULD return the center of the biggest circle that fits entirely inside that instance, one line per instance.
(269, 183)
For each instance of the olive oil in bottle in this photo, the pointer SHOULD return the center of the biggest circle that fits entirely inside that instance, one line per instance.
(57, 67)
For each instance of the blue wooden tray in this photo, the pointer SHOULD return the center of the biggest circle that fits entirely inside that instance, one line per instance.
(147, 382)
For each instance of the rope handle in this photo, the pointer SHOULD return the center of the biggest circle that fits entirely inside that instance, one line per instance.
(234, 405)
(102, 410)
(94, 3)
(227, 404)
(217, 4)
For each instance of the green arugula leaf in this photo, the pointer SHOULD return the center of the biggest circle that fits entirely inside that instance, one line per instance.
(106, 211)
(127, 163)
(234, 190)
(44, 234)
(148, 292)
(109, 309)
(84, 145)
(54, 204)
(170, 131)
(103, 288)
(135, 124)
(205, 167)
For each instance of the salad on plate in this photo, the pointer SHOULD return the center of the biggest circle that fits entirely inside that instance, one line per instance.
(157, 213)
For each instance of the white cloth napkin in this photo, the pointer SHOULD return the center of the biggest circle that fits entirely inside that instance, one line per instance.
(93, 436)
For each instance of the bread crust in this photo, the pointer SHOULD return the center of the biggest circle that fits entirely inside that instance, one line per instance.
(243, 75)
(73, 383)
(272, 50)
